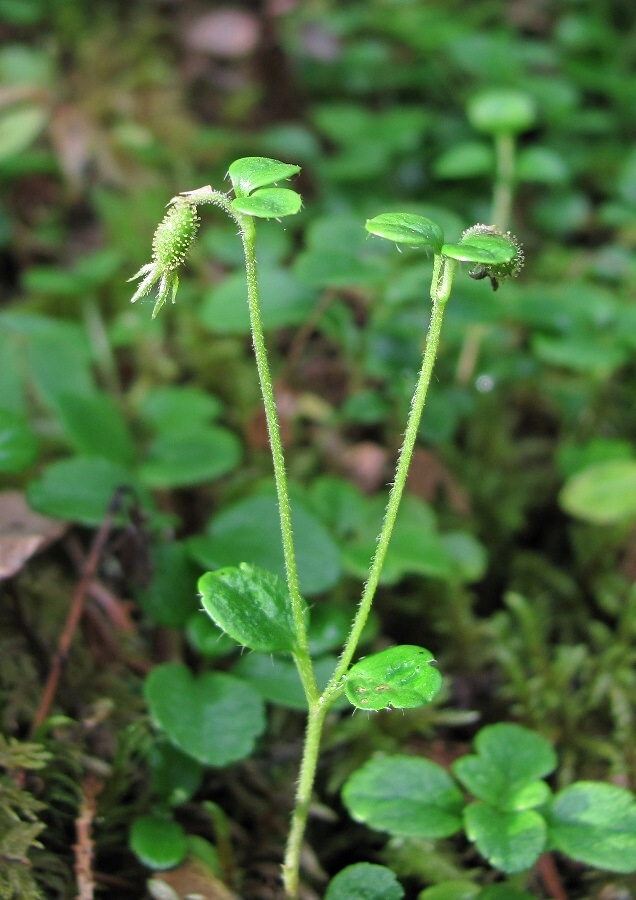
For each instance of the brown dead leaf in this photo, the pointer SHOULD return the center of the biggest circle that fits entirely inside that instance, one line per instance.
(23, 532)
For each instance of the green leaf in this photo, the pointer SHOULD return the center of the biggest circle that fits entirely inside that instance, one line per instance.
(364, 881)
(174, 776)
(18, 446)
(157, 841)
(249, 531)
(467, 553)
(78, 489)
(451, 890)
(406, 796)
(329, 626)
(214, 718)
(171, 597)
(406, 228)
(95, 426)
(400, 677)
(509, 759)
(595, 823)
(19, 127)
(168, 408)
(253, 172)
(502, 112)
(59, 362)
(415, 548)
(269, 203)
(465, 160)
(510, 841)
(285, 301)
(207, 638)
(603, 494)
(276, 678)
(251, 605)
(190, 456)
(491, 249)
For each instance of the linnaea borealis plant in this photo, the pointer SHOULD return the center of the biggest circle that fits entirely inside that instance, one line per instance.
(257, 608)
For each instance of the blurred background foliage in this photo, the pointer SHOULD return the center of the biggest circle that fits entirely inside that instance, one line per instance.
(515, 557)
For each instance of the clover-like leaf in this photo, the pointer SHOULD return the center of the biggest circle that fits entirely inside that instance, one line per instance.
(407, 228)
(400, 677)
(269, 203)
(595, 823)
(251, 605)
(364, 881)
(407, 796)
(214, 718)
(505, 771)
(253, 172)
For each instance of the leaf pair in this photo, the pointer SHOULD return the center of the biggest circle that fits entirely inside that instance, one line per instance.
(252, 606)
(249, 177)
(484, 245)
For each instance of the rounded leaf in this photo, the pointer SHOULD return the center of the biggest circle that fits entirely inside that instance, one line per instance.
(269, 203)
(215, 718)
(509, 760)
(249, 531)
(406, 796)
(400, 677)
(502, 112)
(251, 605)
(595, 823)
(158, 842)
(407, 228)
(364, 881)
(253, 172)
(190, 455)
(510, 841)
(604, 493)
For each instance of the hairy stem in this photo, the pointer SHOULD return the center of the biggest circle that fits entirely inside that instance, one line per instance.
(301, 655)
(440, 290)
(306, 778)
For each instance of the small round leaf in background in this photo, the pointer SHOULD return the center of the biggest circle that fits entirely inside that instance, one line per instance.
(158, 841)
(364, 881)
(502, 112)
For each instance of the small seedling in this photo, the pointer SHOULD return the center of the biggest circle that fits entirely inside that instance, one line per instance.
(256, 608)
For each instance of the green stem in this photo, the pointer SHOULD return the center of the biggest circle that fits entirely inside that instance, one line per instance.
(504, 183)
(443, 272)
(301, 655)
(304, 790)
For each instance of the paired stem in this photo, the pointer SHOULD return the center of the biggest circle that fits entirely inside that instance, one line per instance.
(318, 705)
